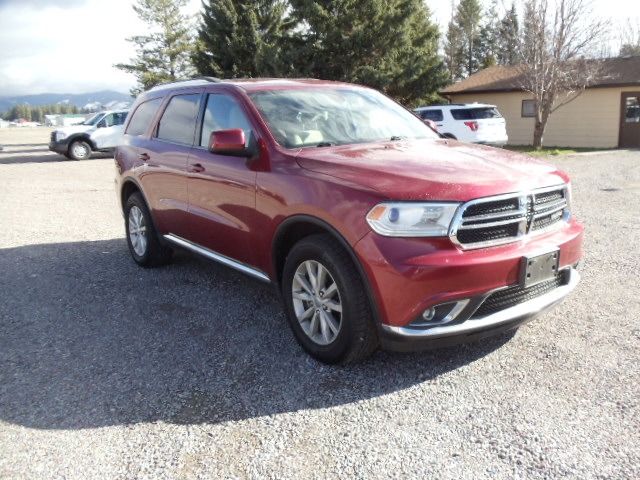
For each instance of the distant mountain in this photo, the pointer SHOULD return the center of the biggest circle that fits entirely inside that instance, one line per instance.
(107, 99)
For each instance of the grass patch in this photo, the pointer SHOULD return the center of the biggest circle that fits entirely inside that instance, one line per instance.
(547, 151)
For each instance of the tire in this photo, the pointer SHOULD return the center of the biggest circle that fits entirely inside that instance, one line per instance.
(79, 150)
(333, 323)
(142, 238)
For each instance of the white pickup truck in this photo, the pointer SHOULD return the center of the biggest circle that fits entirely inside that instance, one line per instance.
(101, 133)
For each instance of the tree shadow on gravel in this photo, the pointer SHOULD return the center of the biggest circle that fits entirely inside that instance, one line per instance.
(89, 339)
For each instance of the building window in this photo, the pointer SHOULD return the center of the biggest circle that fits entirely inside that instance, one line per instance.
(528, 108)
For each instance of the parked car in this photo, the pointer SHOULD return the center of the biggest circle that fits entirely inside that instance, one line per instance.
(468, 122)
(100, 133)
(373, 229)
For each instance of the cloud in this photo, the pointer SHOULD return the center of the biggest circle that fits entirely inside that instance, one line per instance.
(65, 4)
(67, 46)
(48, 48)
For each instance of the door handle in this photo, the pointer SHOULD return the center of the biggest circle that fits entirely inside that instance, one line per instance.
(195, 168)
(144, 157)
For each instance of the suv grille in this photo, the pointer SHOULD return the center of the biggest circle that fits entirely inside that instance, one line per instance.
(514, 295)
(508, 218)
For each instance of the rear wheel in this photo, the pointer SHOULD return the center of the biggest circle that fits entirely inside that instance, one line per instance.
(79, 150)
(326, 303)
(142, 238)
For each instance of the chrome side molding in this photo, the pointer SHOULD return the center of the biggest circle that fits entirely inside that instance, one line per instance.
(216, 257)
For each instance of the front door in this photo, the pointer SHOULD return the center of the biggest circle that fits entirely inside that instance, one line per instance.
(109, 131)
(630, 120)
(222, 189)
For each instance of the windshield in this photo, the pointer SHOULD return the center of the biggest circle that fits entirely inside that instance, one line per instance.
(93, 120)
(319, 117)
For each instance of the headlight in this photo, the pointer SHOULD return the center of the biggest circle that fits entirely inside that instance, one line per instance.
(60, 136)
(412, 219)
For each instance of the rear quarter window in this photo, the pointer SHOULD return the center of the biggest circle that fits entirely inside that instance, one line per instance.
(178, 121)
(143, 115)
(433, 115)
(475, 113)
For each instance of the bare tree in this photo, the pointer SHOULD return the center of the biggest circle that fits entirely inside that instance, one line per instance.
(556, 42)
(630, 38)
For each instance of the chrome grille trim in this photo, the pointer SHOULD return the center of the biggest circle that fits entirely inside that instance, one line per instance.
(512, 216)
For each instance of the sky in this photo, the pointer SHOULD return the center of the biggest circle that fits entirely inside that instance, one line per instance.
(70, 46)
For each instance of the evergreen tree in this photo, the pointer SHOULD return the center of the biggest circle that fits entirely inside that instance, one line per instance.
(390, 45)
(242, 38)
(164, 54)
(509, 38)
(453, 52)
(487, 44)
(468, 17)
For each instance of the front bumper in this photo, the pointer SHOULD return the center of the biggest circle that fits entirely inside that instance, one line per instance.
(476, 327)
(473, 293)
(59, 147)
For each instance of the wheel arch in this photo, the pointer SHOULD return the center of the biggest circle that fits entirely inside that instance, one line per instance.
(83, 137)
(128, 188)
(298, 227)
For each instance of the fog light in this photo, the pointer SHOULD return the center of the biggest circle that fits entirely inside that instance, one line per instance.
(428, 314)
(439, 314)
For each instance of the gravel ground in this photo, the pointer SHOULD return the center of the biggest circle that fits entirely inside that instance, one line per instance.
(108, 370)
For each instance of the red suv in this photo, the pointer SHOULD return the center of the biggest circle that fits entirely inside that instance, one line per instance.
(375, 231)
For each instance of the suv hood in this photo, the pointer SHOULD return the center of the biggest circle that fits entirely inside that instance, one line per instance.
(431, 169)
(75, 129)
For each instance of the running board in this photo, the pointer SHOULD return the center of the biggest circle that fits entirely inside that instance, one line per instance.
(216, 257)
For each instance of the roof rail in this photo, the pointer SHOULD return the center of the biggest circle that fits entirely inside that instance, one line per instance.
(208, 79)
(194, 80)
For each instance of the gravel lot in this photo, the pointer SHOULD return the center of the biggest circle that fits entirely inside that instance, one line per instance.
(108, 370)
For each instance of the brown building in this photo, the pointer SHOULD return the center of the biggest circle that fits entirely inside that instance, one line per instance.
(605, 115)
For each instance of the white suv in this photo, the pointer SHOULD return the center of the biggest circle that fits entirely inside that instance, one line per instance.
(468, 122)
(101, 133)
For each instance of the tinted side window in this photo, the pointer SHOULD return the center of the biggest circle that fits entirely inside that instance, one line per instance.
(475, 113)
(222, 113)
(119, 118)
(143, 116)
(179, 119)
(434, 115)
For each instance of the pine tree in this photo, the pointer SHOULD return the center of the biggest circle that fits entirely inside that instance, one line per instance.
(509, 38)
(468, 17)
(242, 38)
(453, 52)
(390, 45)
(164, 54)
(487, 44)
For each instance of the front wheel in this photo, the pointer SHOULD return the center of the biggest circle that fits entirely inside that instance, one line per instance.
(142, 238)
(326, 303)
(79, 150)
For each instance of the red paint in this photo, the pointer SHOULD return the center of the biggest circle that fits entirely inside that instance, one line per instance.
(236, 205)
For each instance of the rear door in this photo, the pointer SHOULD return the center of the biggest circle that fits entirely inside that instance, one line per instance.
(164, 161)
(630, 120)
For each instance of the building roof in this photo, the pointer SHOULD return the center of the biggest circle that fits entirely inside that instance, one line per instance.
(616, 72)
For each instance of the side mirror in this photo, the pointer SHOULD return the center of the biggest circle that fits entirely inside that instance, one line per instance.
(230, 142)
(102, 124)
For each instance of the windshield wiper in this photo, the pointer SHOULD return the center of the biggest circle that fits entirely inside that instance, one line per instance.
(397, 137)
(325, 144)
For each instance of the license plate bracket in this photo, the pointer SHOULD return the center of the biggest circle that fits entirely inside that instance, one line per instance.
(538, 268)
